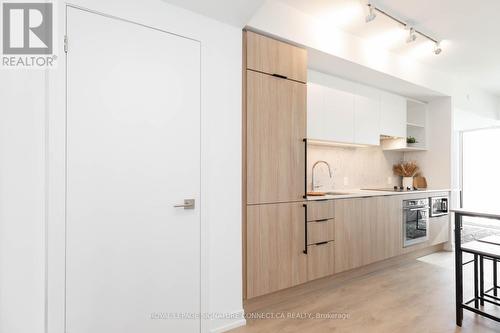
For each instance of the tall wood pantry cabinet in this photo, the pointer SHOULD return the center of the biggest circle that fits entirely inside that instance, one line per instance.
(274, 164)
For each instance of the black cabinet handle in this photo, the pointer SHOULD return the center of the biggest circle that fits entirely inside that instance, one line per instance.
(280, 76)
(305, 168)
(305, 228)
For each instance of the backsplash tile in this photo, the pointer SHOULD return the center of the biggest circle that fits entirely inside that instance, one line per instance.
(352, 168)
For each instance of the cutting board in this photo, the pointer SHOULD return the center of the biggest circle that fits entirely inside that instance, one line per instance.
(419, 182)
(316, 194)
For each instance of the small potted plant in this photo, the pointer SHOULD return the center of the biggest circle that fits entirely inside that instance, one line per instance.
(411, 140)
(407, 170)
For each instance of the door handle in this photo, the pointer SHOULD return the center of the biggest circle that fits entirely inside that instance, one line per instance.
(188, 204)
(305, 228)
(305, 169)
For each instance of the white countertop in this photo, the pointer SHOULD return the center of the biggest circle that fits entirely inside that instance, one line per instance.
(489, 214)
(356, 193)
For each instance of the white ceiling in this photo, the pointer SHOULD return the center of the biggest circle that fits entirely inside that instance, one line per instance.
(471, 47)
(234, 12)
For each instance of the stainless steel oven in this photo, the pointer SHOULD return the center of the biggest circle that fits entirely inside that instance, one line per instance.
(415, 221)
(439, 206)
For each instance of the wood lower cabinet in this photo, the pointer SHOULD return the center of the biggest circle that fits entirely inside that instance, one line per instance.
(320, 210)
(320, 231)
(275, 129)
(320, 260)
(275, 245)
(367, 230)
(439, 229)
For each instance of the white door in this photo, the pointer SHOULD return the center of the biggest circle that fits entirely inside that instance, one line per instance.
(133, 152)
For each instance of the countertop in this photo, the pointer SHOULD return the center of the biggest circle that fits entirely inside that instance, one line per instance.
(488, 214)
(356, 193)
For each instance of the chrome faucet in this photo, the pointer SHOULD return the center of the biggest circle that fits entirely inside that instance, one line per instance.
(312, 173)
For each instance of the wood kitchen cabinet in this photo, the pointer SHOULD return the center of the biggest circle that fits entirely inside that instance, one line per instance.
(274, 57)
(320, 260)
(274, 126)
(439, 229)
(275, 129)
(275, 245)
(367, 230)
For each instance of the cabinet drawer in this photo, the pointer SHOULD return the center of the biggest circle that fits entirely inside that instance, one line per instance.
(320, 210)
(271, 56)
(439, 229)
(320, 260)
(323, 231)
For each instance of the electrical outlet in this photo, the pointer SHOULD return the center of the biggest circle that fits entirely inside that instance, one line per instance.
(389, 180)
(346, 181)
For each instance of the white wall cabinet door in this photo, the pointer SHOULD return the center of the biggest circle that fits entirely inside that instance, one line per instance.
(366, 120)
(315, 109)
(338, 116)
(330, 114)
(392, 115)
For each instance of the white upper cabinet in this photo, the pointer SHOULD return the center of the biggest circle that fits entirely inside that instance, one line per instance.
(367, 116)
(330, 114)
(392, 115)
(343, 111)
(339, 116)
(315, 109)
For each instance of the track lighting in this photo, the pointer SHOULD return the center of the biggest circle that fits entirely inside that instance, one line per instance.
(437, 48)
(412, 36)
(371, 15)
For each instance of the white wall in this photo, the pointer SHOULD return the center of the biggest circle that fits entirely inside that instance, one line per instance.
(22, 206)
(24, 120)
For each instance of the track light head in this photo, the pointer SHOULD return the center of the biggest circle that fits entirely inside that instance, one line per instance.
(371, 14)
(437, 48)
(412, 36)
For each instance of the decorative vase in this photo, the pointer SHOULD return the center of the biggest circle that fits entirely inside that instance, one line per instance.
(407, 182)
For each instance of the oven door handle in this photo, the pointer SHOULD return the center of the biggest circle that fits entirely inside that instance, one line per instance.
(417, 209)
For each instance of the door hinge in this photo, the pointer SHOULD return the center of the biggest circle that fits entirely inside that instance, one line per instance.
(65, 44)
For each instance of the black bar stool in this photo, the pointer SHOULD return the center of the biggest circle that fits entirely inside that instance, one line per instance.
(483, 249)
(493, 291)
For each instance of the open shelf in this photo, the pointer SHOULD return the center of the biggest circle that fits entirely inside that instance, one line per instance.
(415, 125)
(406, 149)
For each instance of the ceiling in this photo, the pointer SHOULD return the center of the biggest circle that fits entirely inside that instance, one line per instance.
(234, 12)
(468, 30)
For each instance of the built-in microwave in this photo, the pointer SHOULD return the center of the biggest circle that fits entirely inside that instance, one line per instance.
(438, 206)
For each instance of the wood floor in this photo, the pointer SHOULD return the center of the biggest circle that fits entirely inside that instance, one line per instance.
(415, 296)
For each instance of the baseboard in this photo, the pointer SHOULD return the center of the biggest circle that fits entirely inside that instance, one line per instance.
(229, 324)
